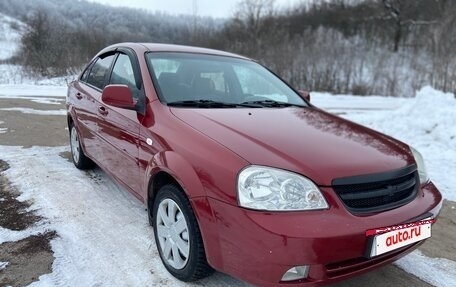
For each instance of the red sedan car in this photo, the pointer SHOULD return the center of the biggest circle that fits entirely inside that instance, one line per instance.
(240, 173)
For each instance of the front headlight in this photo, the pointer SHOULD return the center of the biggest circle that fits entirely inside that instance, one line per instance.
(420, 165)
(266, 188)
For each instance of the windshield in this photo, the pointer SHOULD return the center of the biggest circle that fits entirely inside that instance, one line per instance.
(208, 81)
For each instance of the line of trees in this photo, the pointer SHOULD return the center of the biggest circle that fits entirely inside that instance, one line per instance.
(388, 47)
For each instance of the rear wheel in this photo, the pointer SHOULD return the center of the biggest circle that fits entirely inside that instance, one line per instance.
(177, 235)
(80, 160)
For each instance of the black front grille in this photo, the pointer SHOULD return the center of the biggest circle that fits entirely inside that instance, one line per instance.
(378, 192)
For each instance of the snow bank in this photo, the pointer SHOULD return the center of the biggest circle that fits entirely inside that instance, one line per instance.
(432, 116)
(349, 103)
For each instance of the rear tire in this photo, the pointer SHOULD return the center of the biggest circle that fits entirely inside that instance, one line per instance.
(177, 235)
(80, 160)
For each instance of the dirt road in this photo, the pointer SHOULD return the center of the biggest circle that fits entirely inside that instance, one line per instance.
(32, 257)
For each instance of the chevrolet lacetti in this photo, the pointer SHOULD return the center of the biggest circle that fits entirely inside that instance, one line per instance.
(240, 173)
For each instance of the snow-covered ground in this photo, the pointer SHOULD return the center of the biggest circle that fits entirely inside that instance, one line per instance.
(436, 271)
(104, 238)
(34, 91)
(103, 233)
(50, 93)
(36, 112)
(3, 265)
(2, 130)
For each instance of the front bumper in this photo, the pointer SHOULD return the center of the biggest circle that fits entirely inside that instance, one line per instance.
(259, 247)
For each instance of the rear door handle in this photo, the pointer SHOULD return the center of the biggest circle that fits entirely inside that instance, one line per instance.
(78, 96)
(102, 110)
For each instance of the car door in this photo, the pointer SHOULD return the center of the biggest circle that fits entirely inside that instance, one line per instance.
(86, 97)
(119, 128)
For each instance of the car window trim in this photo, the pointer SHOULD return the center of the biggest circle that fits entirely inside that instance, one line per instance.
(88, 69)
(308, 104)
(102, 56)
(111, 68)
(141, 104)
(135, 65)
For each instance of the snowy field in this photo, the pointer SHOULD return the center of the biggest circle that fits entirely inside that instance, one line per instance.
(103, 234)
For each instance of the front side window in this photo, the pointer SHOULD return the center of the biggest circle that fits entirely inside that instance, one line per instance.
(187, 77)
(99, 73)
(122, 74)
(85, 74)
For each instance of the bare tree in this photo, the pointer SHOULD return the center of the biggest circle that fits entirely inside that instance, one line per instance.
(442, 40)
(35, 42)
(251, 12)
(404, 13)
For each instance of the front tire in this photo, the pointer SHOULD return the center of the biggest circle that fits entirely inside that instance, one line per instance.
(80, 160)
(177, 235)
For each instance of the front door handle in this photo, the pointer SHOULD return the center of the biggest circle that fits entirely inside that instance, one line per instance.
(102, 110)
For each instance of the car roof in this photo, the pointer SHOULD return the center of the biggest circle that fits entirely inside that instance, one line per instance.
(156, 47)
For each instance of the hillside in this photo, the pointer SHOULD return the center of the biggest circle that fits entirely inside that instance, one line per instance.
(66, 34)
(10, 36)
(134, 24)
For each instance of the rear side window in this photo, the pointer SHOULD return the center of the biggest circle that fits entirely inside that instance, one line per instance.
(100, 72)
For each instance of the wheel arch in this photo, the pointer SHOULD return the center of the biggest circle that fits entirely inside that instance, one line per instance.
(71, 121)
(171, 168)
(157, 181)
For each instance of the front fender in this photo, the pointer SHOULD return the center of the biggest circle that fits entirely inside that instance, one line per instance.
(180, 169)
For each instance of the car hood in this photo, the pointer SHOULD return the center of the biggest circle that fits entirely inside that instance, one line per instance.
(308, 141)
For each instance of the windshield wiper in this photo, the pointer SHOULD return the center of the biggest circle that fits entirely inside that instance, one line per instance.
(272, 103)
(211, 104)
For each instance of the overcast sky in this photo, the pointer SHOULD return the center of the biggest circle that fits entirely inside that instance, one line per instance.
(214, 8)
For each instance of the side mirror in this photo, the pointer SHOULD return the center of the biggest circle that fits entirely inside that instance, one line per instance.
(118, 96)
(305, 95)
